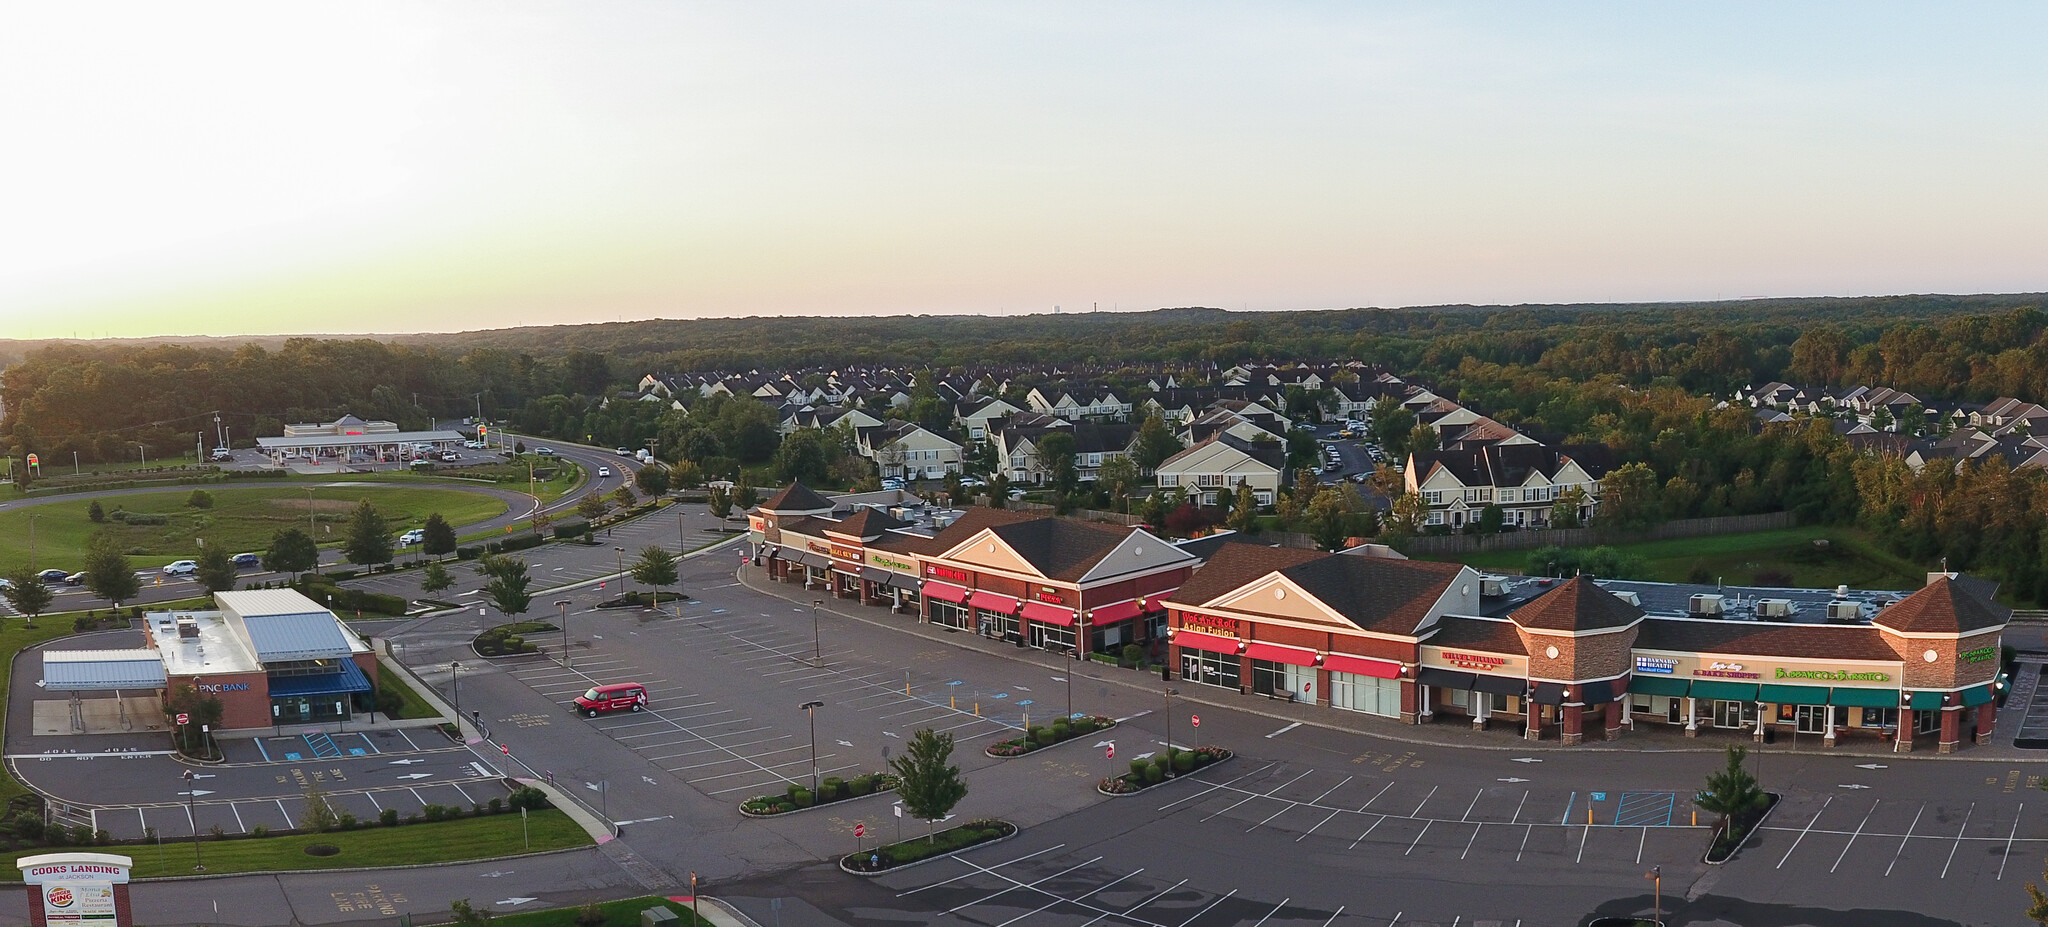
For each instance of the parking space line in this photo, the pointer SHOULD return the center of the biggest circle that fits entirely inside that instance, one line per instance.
(2009, 839)
(287, 815)
(1213, 788)
(416, 796)
(1376, 795)
(1425, 800)
(825, 771)
(371, 795)
(1029, 885)
(1253, 795)
(1518, 807)
(1320, 823)
(237, 809)
(1566, 818)
(1167, 891)
(1859, 833)
(259, 749)
(771, 770)
(1582, 844)
(1475, 839)
(1269, 818)
(1645, 841)
(1368, 833)
(1528, 829)
(1191, 918)
(1909, 836)
(1319, 799)
(965, 875)
(1809, 826)
(401, 733)
(1959, 839)
(1475, 803)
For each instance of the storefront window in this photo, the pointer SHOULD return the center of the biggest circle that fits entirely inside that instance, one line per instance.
(1284, 680)
(995, 624)
(1052, 637)
(1880, 717)
(1369, 694)
(1926, 722)
(1734, 714)
(952, 615)
(1811, 719)
(1210, 669)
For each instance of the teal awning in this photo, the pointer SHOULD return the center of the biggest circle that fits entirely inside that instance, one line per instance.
(1926, 701)
(1864, 698)
(1724, 691)
(1794, 695)
(1976, 695)
(1658, 685)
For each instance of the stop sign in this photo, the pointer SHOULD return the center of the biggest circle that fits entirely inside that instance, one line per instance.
(860, 830)
(184, 719)
(1110, 753)
(1197, 719)
(505, 749)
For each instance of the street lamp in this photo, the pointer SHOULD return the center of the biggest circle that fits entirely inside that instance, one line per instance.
(455, 683)
(1656, 874)
(563, 604)
(144, 449)
(810, 708)
(817, 643)
(198, 860)
(625, 584)
(1170, 693)
(32, 516)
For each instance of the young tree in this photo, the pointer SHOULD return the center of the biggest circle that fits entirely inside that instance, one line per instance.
(1056, 455)
(1631, 497)
(440, 536)
(1731, 792)
(928, 786)
(1390, 429)
(507, 588)
(999, 491)
(1327, 519)
(746, 496)
(1564, 513)
(1120, 475)
(1406, 519)
(541, 521)
(652, 479)
(199, 499)
(1491, 518)
(1422, 439)
(591, 506)
(27, 593)
(656, 568)
(721, 503)
(436, 578)
(1244, 511)
(204, 711)
(319, 816)
(1156, 442)
(369, 536)
(291, 551)
(217, 570)
(107, 572)
(623, 498)
(95, 513)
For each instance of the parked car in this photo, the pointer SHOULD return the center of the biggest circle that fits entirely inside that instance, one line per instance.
(244, 561)
(415, 536)
(182, 568)
(618, 696)
(450, 457)
(973, 482)
(892, 483)
(52, 576)
(475, 445)
(623, 451)
(76, 579)
(221, 453)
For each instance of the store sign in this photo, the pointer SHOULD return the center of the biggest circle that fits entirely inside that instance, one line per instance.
(958, 576)
(1050, 595)
(228, 687)
(817, 548)
(1663, 666)
(76, 889)
(890, 563)
(1477, 661)
(846, 553)
(1208, 624)
(1722, 670)
(757, 524)
(1831, 675)
(1979, 655)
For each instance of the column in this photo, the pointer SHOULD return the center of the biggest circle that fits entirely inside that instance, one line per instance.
(1615, 710)
(1904, 744)
(1987, 721)
(1081, 630)
(1485, 711)
(1574, 723)
(1692, 721)
(1762, 718)
(1423, 694)
(1532, 715)
(1951, 726)
(1408, 715)
(1829, 740)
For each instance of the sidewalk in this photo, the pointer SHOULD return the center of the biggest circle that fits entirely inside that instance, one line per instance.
(1458, 734)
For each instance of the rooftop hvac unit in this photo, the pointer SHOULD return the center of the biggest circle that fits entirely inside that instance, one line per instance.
(1845, 611)
(1704, 605)
(1774, 608)
(1629, 596)
(1490, 586)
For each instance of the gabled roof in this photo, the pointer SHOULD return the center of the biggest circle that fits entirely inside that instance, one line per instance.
(1578, 605)
(1060, 548)
(1235, 564)
(796, 497)
(1386, 596)
(1764, 639)
(866, 523)
(1945, 606)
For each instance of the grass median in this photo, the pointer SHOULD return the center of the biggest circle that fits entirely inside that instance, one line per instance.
(622, 913)
(467, 838)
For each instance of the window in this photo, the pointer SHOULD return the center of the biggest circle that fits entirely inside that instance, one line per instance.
(1052, 637)
(1879, 717)
(1284, 680)
(1734, 714)
(1811, 719)
(1507, 495)
(1433, 496)
(1209, 669)
(951, 615)
(1369, 694)
(1486, 494)
(1169, 479)
(1436, 518)
(1926, 722)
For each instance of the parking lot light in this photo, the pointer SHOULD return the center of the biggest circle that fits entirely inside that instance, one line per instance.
(810, 708)
(817, 643)
(198, 860)
(1170, 693)
(563, 604)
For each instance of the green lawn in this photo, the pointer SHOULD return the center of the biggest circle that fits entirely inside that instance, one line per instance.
(622, 913)
(1850, 557)
(510, 475)
(446, 841)
(14, 636)
(242, 518)
(394, 680)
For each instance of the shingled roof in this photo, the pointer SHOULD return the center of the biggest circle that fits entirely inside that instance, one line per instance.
(866, 523)
(1578, 605)
(1765, 639)
(1235, 564)
(1944, 606)
(1061, 548)
(796, 497)
(1386, 596)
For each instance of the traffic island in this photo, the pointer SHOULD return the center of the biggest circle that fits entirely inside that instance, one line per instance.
(1728, 840)
(509, 640)
(918, 850)
(643, 600)
(1060, 731)
(831, 790)
(1148, 772)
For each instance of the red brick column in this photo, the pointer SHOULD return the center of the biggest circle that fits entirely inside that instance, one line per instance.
(1574, 723)
(124, 913)
(35, 907)
(1951, 728)
(1408, 703)
(1615, 710)
(1987, 721)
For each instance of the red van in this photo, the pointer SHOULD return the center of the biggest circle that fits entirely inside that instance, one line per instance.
(619, 696)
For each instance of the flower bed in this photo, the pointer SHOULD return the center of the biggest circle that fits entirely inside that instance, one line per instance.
(1150, 772)
(638, 599)
(920, 849)
(1060, 731)
(1740, 829)
(830, 789)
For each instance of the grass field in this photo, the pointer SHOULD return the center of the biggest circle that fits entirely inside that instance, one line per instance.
(508, 475)
(442, 842)
(1850, 557)
(621, 913)
(415, 706)
(242, 518)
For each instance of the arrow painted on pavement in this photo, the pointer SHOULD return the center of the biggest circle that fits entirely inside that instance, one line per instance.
(494, 874)
(1105, 743)
(649, 780)
(665, 817)
(1852, 786)
(405, 762)
(203, 775)
(1871, 766)
(1145, 755)
(1525, 759)
(846, 743)
(892, 734)
(195, 793)
(417, 776)
(1054, 679)
(515, 902)
(1511, 779)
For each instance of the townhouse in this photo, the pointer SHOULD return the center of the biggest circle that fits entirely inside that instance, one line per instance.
(1216, 466)
(1524, 479)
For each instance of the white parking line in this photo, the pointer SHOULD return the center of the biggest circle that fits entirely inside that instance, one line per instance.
(1809, 826)
(1859, 833)
(1909, 835)
(2008, 841)
(1368, 833)
(1959, 839)
(1320, 823)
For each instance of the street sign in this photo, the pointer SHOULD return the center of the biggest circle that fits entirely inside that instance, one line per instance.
(32, 460)
(1110, 753)
(184, 719)
(505, 749)
(860, 830)
(1197, 719)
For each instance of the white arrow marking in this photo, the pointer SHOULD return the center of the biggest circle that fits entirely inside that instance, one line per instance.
(592, 786)
(405, 762)
(515, 902)
(846, 743)
(417, 776)
(1023, 688)
(202, 775)
(1145, 755)
(664, 817)
(1105, 743)
(1054, 679)
(1525, 759)
(1853, 786)
(649, 780)
(195, 793)
(1511, 779)
(1871, 766)
(892, 734)
(495, 873)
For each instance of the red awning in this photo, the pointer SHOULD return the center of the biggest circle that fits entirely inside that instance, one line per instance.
(1280, 653)
(945, 593)
(1049, 614)
(993, 602)
(1339, 663)
(1111, 614)
(1195, 640)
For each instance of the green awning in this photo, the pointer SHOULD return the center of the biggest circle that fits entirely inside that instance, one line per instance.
(1724, 691)
(1794, 695)
(1976, 695)
(1926, 701)
(1658, 685)
(1865, 698)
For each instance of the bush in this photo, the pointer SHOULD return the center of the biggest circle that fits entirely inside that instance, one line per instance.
(259, 831)
(389, 703)
(1183, 761)
(1041, 736)
(831, 789)
(1061, 730)
(388, 817)
(571, 528)
(497, 805)
(434, 812)
(348, 821)
(1138, 767)
(860, 785)
(527, 797)
(591, 915)
(468, 553)
(1132, 656)
(28, 827)
(199, 499)
(801, 796)
(1154, 774)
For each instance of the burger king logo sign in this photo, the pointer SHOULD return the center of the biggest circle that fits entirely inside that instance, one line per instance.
(59, 897)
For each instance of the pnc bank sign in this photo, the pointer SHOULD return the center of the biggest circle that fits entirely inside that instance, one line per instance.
(221, 688)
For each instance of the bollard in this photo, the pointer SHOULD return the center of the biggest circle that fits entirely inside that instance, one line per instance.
(953, 702)
(977, 709)
(1589, 814)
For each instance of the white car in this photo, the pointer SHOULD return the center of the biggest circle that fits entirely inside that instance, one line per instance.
(415, 536)
(182, 568)
(973, 481)
(603, 472)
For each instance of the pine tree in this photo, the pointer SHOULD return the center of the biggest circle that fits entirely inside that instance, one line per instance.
(1731, 792)
(440, 536)
(369, 536)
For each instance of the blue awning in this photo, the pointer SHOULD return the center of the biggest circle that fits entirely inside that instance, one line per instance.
(350, 679)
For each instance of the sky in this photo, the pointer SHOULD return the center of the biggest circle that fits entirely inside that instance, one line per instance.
(365, 167)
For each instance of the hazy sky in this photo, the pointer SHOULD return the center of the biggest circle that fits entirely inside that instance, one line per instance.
(211, 168)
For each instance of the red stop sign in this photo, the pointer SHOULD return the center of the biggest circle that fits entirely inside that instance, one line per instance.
(1197, 719)
(860, 830)
(1110, 753)
(184, 719)
(505, 749)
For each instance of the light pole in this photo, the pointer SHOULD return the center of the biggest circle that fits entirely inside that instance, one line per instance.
(144, 449)
(1656, 874)
(1170, 693)
(310, 530)
(198, 860)
(625, 584)
(811, 708)
(817, 643)
(32, 540)
(563, 604)
(455, 684)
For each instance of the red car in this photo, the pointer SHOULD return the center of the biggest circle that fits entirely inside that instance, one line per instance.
(619, 696)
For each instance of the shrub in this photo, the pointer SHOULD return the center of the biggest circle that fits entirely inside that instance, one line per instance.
(860, 785)
(1041, 736)
(1138, 767)
(1132, 655)
(801, 796)
(591, 915)
(1183, 761)
(790, 792)
(468, 553)
(348, 821)
(831, 789)
(30, 827)
(199, 499)
(1061, 730)
(497, 805)
(435, 812)
(101, 837)
(527, 797)
(1154, 774)
(388, 817)
(259, 831)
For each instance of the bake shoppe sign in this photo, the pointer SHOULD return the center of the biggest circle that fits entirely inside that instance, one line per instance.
(76, 889)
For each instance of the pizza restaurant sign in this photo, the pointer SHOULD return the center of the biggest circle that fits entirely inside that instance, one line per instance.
(958, 576)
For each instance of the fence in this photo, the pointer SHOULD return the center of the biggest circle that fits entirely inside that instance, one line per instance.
(1117, 518)
(1587, 537)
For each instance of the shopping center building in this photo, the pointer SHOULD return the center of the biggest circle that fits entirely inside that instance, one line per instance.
(1419, 642)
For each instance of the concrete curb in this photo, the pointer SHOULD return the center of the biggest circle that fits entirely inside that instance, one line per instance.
(1190, 775)
(1015, 831)
(1113, 725)
(1777, 800)
(832, 804)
